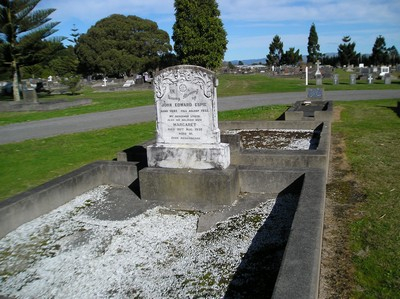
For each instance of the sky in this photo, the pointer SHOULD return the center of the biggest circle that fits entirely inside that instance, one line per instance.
(252, 24)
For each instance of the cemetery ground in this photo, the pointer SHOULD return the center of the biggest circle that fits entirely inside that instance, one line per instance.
(229, 85)
(360, 256)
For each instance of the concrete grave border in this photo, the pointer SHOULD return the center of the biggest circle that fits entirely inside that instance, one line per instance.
(300, 268)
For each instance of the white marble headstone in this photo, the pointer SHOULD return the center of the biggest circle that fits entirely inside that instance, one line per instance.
(187, 120)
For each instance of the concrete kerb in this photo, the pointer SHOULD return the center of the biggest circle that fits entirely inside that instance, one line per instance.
(299, 273)
(31, 204)
(300, 268)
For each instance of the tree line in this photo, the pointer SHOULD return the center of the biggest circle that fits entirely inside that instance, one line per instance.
(115, 46)
(121, 45)
(346, 54)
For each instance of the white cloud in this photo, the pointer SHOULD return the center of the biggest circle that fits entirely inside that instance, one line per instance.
(323, 11)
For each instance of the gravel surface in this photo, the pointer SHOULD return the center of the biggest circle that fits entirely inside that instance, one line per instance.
(277, 139)
(70, 253)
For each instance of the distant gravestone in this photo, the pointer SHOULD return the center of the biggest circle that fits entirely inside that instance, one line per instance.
(318, 75)
(30, 95)
(388, 79)
(335, 79)
(187, 123)
(315, 93)
(353, 78)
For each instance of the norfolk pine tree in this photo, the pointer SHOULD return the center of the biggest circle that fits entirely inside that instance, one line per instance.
(313, 46)
(346, 51)
(22, 34)
(198, 33)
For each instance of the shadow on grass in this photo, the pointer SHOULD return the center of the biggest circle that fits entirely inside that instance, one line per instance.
(257, 273)
(396, 109)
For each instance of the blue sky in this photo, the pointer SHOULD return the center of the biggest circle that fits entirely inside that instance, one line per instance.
(251, 24)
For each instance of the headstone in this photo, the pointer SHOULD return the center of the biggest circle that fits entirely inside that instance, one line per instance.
(29, 95)
(370, 79)
(388, 79)
(104, 82)
(187, 123)
(128, 83)
(315, 93)
(318, 75)
(335, 79)
(139, 79)
(353, 78)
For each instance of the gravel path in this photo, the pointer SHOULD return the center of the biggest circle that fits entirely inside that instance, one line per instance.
(92, 121)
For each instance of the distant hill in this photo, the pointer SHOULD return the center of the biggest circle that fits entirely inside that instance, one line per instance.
(250, 61)
(264, 60)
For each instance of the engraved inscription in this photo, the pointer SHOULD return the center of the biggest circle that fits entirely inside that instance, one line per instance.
(186, 106)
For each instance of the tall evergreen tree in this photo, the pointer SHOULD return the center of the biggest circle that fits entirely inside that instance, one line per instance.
(393, 55)
(379, 51)
(198, 33)
(275, 51)
(346, 51)
(291, 57)
(74, 35)
(22, 34)
(313, 46)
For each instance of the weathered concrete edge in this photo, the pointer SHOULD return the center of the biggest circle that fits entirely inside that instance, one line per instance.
(300, 269)
(33, 203)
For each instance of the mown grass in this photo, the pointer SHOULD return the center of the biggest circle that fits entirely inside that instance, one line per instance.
(27, 164)
(229, 85)
(371, 131)
(101, 101)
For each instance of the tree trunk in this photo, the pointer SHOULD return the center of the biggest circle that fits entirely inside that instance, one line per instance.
(16, 94)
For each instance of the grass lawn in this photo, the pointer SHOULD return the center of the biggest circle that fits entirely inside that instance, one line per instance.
(371, 131)
(229, 85)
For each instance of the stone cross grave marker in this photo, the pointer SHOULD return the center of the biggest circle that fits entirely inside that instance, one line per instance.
(187, 124)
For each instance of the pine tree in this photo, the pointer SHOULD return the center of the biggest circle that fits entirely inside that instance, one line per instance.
(74, 35)
(22, 34)
(198, 33)
(275, 51)
(379, 51)
(291, 57)
(346, 51)
(313, 46)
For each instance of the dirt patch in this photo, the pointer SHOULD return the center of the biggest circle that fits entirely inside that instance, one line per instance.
(343, 194)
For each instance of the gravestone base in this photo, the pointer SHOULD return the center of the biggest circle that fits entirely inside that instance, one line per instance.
(190, 156)
(205, 188)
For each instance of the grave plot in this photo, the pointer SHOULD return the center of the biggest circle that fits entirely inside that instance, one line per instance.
(82, 247)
